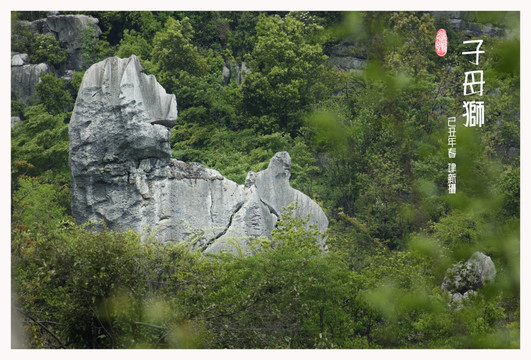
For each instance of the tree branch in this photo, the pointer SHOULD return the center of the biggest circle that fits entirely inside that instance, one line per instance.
(43, 327)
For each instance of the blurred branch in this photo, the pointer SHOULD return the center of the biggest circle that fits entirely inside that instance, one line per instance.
(148, 324)
(44, 327)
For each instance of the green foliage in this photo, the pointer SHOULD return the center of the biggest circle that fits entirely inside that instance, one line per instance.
(133, 43)
(39, 147)
(457, 231)
(64, 278)
(205, 101)
(173, 54)
(77, 78)
(194, 77)
(210, 27)
(111, 23)
(53, 94)
(37, 204)
(286, 65)
(94, 49)
(146, 23)
(410, 43)
(243, 151)
(45, 49)
(107, 290)
(21, 37)
(17, 108)
(241, 37)
(509, 187)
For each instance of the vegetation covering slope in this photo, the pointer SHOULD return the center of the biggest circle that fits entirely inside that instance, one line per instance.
(370, 146)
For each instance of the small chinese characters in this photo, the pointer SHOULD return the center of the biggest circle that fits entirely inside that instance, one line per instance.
(452, 152)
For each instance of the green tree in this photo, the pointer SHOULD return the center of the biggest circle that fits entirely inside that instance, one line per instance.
(42, 141)
(134, 43)
(242, 33)
(93, 48)
(286, 65)
(53, 94)
(173, 54)
(45, 49)
(21, 37)
(38, 204)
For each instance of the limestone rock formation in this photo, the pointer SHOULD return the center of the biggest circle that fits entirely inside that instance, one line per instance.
(265, 194)
(123, 173)
(463, 21)
(19, 59)
(24, 77)
(463, 279)
(14, 120)
(347, 55)
(234, 70)
(69, 30)
(348, 63)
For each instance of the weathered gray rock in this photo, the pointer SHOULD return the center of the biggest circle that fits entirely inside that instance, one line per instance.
(234, 70)
(70, 30)
(39, 26)
(24, 78)
(275, 192)
(463, 279)
(266, 194)
(123, 173)
(347, 55)
(241, 71)
(226, 73)
(19, 59)
(68, 76)
(463, 21)
(14, 120)
(348, 63)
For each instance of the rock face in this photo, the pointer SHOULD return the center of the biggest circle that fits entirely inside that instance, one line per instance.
(123, 173)
(14, 120)
(234, 70)
(463, 279)
(24, 77)
(348, 63)
(265, 194)
(347, 55)
(462, 20)
(19, 59)
(69, 30)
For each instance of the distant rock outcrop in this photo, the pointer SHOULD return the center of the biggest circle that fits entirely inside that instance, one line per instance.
(24, 76)
(347, 55)
(19, 59)
(123, 173)
(463, 279)
(70, 31)
(464, 21)
(14, 120)
(234, 70)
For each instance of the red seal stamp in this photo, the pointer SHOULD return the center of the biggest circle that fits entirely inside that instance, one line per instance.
(441, 42)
